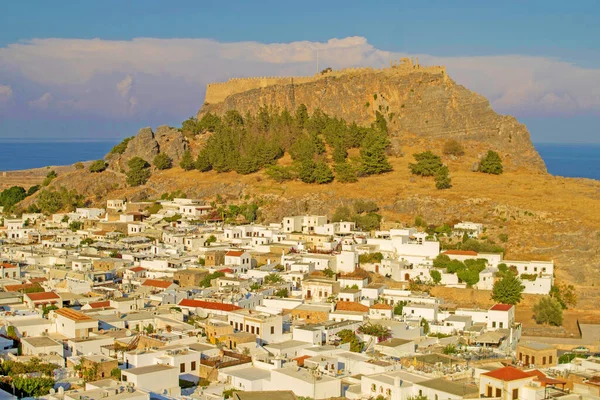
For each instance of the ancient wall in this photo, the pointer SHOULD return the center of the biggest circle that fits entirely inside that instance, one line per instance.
(218, 91)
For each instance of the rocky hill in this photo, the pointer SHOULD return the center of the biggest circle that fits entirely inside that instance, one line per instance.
(540, 216)
(423, 101)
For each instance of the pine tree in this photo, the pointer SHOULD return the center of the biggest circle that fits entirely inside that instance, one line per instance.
(442, 179)
(187, 162)
(322, 173)
(372, 154)
(202, 162)
(345, 173)
(491, 163)
(508, 290)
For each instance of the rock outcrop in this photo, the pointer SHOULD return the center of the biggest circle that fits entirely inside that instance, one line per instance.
(422, 102)
(147, 145)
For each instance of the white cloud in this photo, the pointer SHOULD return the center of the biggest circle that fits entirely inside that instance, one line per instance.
(171, 74)
(124, 86)
(5, 93)
(42, 103)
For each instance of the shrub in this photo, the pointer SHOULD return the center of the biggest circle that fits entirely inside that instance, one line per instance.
(442, 178)
(139, 171)
(454, 148)
(49, 178)
(491, 163)
(548, 311)
(162, 161)
(121, 147)
(428, 164)
(280, 173)
(187, 162)
(508, 290)
(345, 173)
(436, 276)
(97, 166)
(79, 165)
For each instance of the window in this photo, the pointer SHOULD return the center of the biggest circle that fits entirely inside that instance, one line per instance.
(124, 378)
(515, 394)
(533, 359)
(257, 330)
(501, 324)
(252, 329)
(193, 366)
(550, 360)
(272, 330)
(493, 324)
(543, 360)
(373, 388)
(182, 367)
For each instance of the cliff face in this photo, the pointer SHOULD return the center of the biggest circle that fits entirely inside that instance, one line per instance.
(425, 103)
(148, 144)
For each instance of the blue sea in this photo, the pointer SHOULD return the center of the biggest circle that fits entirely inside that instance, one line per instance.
(571, 160)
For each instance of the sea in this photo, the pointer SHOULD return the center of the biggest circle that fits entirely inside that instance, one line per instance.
(570, 160)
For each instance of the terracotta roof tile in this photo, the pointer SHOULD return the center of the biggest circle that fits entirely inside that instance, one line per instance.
(232, 253)
(100, 304)
(508, 374)
(350, 306)
(381, 306)
(460, 252)
(42, 296)
(501, 307)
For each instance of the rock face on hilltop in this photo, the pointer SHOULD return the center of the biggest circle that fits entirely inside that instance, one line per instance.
(423, 102)
(148, 144)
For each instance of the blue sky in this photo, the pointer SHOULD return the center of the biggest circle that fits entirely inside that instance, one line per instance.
(101, 70)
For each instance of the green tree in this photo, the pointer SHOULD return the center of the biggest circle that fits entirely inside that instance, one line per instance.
(115, 373)
(372, 153)
(362, 207)
(33, 189)
(273, 278)
(442, 178)
(97, 166)
(449, 349)
(149, 329)
(79, 165)
(203, 161)
(441, 261)
(454, 148)
(508, 290)
(428, 164)
(345, 173)
(282, 292)
(187, 162)
(436, 276)
(139, 171)
(399, 307)
(564, 294)
(306, 171)
(548, 311)
(322, 173)
(11, 196)
(191, 126)
(329, 272)
(75, 225)
(425, 324)
(491, 163)
(49, 178)
(162, 161)
(469, 276)
(341, 213)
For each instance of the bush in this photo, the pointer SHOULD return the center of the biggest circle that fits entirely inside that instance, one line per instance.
(453, 148)
(436, 276)
(162, 161)
(508, 290)
(49, 178)
(345, 173)
(491, 163)
(187, 162)
(280, 173)
(139, 171)
(428, 164)
(52, 201)
(361, 207)
(79, 165)
(370, 258)
(33, 189)
(11, 196)
(548, 311)
(442, 178)
(121, 147)
(202, 162)
(97, 166)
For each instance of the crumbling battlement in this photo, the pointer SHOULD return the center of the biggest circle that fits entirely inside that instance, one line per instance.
(218, 91)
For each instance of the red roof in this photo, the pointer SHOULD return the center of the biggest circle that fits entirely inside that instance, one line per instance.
(460, 252)
(300, 360)
(508, 374)
(35, 280)
(208, 305)
(100, 304)
(501, 307)
(7, 265)
(351, 306)
(381, 306)
(42, 296)
(232, 253)
(226, 271)
(156, 283)
(137, 269)
(16, 288)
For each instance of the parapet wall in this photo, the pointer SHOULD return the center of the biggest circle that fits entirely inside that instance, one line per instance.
(218, 91)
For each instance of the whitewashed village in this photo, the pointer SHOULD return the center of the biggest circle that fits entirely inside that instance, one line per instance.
(139, 301)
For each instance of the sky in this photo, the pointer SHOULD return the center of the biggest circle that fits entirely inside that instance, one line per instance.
(83, 70)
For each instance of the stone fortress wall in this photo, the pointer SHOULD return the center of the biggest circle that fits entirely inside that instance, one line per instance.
(217, 92)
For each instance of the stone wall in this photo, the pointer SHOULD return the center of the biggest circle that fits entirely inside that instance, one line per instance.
(219, 91)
